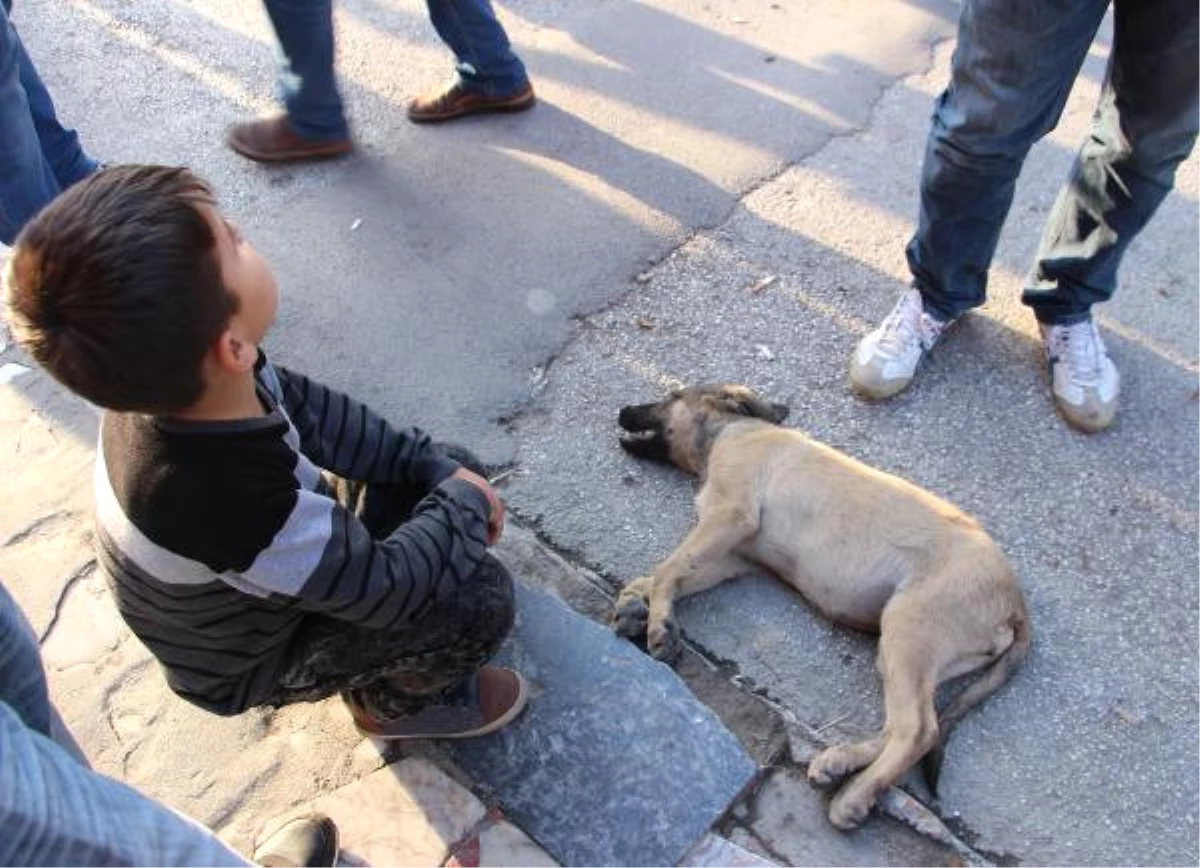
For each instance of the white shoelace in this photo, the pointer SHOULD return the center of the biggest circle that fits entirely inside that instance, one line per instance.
(1080, 346)
(908, 323)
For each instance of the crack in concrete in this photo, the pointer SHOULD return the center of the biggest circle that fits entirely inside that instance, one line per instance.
(34, 527)
(84, 571)
(510, 421)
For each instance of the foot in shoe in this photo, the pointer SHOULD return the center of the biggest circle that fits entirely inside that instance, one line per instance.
(455, 101)
(1083, 378)
(305, 841)
(886, 360)
(272, 140)
(487, 701)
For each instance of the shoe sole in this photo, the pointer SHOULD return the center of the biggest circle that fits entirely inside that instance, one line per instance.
(517, 104)
(319, 152)
(870, 389)
(499, 723)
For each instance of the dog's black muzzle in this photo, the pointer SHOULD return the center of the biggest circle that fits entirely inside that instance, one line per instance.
(644, 436)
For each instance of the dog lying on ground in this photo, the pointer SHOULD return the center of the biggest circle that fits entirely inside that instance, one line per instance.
(866, 548)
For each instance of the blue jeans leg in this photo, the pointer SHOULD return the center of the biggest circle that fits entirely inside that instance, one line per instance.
(307, 81)
(485, 61)
(58, 812)
(27, 180)
(60, 145)
(1144, 127)
(54, 810)
(1013, 68)
(22, 681)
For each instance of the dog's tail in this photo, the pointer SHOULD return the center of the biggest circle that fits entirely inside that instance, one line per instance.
(992, 678)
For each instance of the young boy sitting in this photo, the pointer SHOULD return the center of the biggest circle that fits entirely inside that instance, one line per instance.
(269, 539)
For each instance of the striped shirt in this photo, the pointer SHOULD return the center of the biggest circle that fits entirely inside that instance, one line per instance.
(218, 538)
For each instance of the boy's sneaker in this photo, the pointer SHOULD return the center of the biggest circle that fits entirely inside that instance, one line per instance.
(886, 359)
(1084, 379)
(305, 841)
(487, 701)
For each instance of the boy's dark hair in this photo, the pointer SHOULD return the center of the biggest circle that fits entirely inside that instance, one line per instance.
(115, 288)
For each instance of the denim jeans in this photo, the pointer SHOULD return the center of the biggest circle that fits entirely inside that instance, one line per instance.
(54, 810)
(486, 63)
(1013, 68)
(39, 158)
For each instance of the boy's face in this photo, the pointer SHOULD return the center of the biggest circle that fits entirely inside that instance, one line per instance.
(247, 276)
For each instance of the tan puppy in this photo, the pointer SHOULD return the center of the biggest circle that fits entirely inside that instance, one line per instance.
(866, 548)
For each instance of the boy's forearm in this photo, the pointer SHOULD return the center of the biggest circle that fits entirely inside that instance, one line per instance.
(376, 583)
(348, 438)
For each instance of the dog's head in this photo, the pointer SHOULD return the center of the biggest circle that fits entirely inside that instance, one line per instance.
(680, 429)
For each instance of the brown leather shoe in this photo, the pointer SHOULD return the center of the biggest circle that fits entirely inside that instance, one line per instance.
(455, 102)
(487, 701)
(272, 140)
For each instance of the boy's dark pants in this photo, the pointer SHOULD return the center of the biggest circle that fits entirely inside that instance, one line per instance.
(403, 671)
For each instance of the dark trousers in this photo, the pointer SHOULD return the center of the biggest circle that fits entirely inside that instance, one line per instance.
(1014, 65)
(405, 670)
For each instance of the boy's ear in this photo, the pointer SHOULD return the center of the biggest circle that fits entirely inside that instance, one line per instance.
(234, 354)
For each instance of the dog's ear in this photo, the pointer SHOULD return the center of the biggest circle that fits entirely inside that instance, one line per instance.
(779, 412)
(746, 403)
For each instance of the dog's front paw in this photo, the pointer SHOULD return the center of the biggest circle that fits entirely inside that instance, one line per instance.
(662, 641)
(850, 807)
(631, 614)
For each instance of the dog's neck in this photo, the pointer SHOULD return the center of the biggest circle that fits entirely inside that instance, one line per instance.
(694, 459)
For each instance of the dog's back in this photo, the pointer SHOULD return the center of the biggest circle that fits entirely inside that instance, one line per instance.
(844, 534)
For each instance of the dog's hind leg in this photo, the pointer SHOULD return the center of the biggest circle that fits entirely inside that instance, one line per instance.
(834, 763)
(910, 728)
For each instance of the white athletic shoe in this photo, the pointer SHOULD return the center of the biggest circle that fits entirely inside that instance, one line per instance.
(1084, 379)
(886, 359)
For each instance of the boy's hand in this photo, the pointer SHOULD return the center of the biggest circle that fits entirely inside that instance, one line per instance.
(495, 504)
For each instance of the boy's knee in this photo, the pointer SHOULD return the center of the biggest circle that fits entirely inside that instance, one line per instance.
(463, 456)
(493, 586)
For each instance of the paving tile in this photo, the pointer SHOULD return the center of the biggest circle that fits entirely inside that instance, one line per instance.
(500, 844)
(615, 762)
(407, 814)
(789, 817)
(713, 851)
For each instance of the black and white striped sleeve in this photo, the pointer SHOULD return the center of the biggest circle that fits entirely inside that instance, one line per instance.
(328, 561)
(348, 438)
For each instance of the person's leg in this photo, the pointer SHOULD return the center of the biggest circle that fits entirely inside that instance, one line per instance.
(27, 180)
(60, 145)
(427, 663)
(483, 57)
(22, 680)
(1012, 70)
(307, 81)
(408, 670)
(1145, 125)
(491, 78)
(314, 124)
(58, 812)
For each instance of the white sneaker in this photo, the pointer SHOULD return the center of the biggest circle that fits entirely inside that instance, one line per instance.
(1084, 379)
(887, 358)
